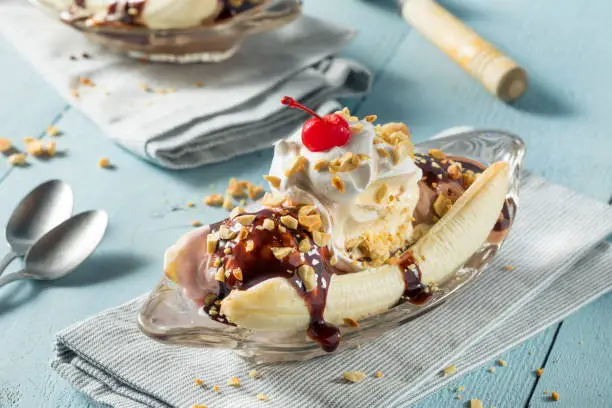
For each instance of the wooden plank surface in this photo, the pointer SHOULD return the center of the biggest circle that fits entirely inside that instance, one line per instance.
(415, 83)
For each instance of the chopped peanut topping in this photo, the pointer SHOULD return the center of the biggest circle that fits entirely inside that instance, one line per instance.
(226, 233)
(442, 204)
(467, 180)
(304, 245)
(237, 272)
(289, 222)
(243, 234)
(253, 374)
(196, 224)
(338, 183)
(17, 159)
(262, 397)
(250, 245)
(356, 128)
(308, 277)
(454, 171)
(273, 200)
(320, 238)
(52, 131)
(354, 376)
(350, 322)
(298, 165)
(311, 222)
(502, 363)
(5, 145)
(234, 382)
(371, 118)
(215, 200)
(379, 374)
(402, 150)
(475, 403)
(509, 267)
(539, 372)
(236, 211)
(211, 243)
(381, 193)
(215, 388)
(321, 165)
(273, 180)
(220, 275)
(382, 152)
(281, 252)
(268, 224)
(555, 396)
(197, 381)
(245, 220)
(437, 154)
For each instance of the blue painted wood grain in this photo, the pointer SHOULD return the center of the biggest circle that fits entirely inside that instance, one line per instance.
(563, 118)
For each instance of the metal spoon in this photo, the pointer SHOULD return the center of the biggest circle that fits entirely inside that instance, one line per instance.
(61, 250)
(42, 209)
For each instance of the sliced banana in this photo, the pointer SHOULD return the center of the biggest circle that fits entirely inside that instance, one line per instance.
(274, 304)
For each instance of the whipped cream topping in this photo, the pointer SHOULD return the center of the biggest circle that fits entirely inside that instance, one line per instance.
(359, 208)
(156, 14)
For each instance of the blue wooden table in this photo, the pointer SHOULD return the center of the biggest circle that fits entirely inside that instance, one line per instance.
(564, 118)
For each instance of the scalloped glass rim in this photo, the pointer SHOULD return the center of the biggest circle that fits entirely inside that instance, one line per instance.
(169, 317)
(212, 42)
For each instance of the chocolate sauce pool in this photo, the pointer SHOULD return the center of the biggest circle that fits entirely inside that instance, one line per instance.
(260, 264)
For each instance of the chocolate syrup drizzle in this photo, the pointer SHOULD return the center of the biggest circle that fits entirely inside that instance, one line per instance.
(436, 171)
(260, 264)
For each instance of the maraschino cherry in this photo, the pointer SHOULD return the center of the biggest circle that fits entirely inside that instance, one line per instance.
(321, 133)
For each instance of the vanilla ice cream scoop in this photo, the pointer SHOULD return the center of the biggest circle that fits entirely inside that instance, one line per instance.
(156, 14)
(369, 187)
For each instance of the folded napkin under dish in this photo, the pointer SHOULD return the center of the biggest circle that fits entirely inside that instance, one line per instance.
(176, 122)
(561, 263)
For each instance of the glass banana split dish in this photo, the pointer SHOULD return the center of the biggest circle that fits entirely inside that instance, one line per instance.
(361, 232)
(178, 31)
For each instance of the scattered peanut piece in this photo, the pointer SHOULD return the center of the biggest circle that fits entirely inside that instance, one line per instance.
(215, 200)
(190, 204)
(350, 322)
(539, 372)
(215, 388)
(354, 376)
(5, 145)
(198, 406)
(198, 382)
(371, 118)
(502, 363)
(555, 396)
(308, 277)
(86, 81)
(492, 369)
(450, 370)
(379, 373)
(298, 165)
(104, 163)
(461, 388)
(321, 165)
(228, 204)
(196, 224)
(49, 148)
(17, 159)
(34, 147)
(509, 267)
(254, 192)
(262, 397)
(253, 374)
(198, 84)
(475, 403)
(233, 381)
(437, 154)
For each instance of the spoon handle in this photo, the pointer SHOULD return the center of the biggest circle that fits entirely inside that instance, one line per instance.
(13, 277)
(8, 258)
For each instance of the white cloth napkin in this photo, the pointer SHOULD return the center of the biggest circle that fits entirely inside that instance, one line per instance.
(237, 110)
(561, 264)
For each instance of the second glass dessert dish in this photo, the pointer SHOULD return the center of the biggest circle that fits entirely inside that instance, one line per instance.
(176, 31)
(362, 232)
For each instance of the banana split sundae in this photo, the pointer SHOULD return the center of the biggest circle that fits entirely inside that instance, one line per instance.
(356, 223)
(154, 14)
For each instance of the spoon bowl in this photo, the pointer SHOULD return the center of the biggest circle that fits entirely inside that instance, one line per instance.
(42, 209)
(62, 249)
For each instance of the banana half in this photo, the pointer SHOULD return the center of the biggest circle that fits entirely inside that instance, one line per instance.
(275, 305)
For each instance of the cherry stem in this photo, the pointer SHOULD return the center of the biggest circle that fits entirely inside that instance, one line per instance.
(292, 103)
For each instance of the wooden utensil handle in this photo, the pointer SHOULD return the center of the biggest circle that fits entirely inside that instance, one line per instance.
(494, 70)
